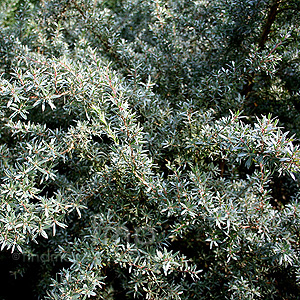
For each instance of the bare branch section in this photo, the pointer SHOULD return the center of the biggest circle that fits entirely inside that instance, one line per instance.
(247, 89)
(270, 20)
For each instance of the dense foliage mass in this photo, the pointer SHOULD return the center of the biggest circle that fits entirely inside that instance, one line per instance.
(149, 149)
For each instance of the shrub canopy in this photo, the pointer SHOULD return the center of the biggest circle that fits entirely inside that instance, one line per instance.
(149, 149)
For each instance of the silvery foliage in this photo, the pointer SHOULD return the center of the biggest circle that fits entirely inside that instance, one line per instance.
(123, 144)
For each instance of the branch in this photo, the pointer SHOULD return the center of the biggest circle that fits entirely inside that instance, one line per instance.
(270, 20)
(247, 89)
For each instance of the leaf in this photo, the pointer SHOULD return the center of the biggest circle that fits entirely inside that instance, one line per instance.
(44, 234)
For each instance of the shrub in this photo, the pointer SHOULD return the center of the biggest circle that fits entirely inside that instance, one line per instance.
(145, 151)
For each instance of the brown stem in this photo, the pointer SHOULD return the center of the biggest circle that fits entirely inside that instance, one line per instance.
(247, 89)
(222, 167)
(103, 40)
(270, 20)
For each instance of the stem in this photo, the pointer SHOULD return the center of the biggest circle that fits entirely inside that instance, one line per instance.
(247, 89)
(270, 20)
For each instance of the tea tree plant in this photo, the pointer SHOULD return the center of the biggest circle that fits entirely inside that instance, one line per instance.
(151, 147)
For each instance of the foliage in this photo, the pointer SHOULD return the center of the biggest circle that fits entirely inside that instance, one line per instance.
(151, 147)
